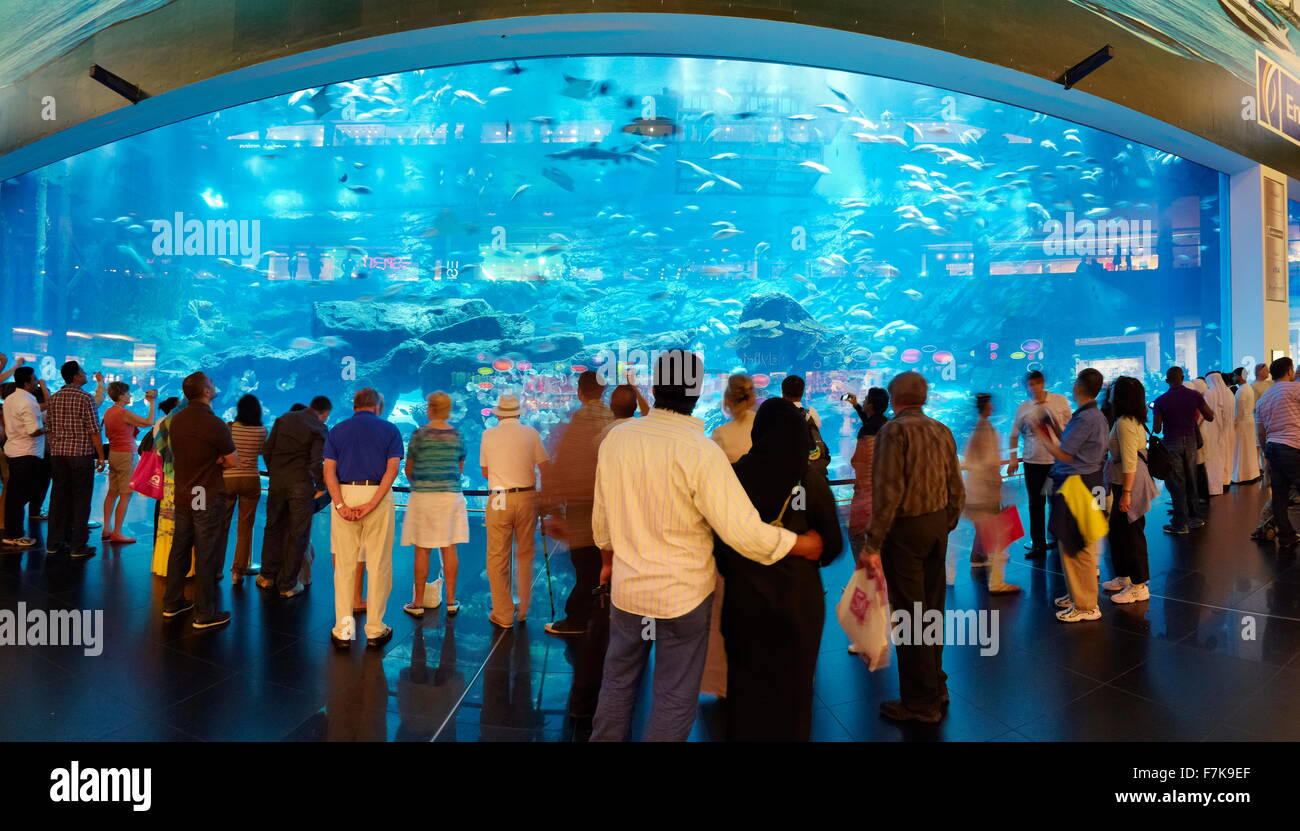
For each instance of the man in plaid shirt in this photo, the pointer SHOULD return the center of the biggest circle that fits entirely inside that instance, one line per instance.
(76, 453)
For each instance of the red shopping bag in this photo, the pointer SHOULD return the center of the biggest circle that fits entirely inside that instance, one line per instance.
(1000, 530)
(147, 478)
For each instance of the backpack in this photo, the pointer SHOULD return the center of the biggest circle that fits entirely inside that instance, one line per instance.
(1157, 460)
(820, 454)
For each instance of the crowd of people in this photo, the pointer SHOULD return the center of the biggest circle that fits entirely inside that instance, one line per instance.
(705, 549)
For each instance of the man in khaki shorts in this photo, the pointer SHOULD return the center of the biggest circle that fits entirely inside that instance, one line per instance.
(362, 456)
(510, 455)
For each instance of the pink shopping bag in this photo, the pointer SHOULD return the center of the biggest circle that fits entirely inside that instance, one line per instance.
(147, 478)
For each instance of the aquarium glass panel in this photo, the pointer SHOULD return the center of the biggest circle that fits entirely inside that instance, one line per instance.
(500, 226)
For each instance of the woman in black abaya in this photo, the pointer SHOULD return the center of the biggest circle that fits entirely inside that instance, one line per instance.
(772, 616)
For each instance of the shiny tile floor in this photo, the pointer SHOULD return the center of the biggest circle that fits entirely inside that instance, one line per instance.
(1213, 655)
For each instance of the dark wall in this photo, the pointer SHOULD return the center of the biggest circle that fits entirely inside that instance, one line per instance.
(191, 40)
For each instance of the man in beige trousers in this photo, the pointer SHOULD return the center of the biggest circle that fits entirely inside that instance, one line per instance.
(510, 455)
(362, 455)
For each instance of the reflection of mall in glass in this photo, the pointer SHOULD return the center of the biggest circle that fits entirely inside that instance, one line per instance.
(494, 227)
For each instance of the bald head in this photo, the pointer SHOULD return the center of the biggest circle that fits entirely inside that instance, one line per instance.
(908, 389)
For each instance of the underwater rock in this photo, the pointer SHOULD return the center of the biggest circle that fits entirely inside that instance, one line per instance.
(397, 371)
(482, 327)
(451, 365)
(264, 371)
(776, 334)
(375, 327)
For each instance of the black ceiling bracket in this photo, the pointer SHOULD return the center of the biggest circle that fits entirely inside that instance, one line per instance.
(118, 84)
(1085, 67)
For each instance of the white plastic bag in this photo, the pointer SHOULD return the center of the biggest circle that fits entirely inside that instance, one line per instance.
(863, 612)
(433, 594)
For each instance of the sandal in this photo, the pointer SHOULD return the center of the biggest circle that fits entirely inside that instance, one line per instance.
(413, 610)
(1004, 588)
(453, 607)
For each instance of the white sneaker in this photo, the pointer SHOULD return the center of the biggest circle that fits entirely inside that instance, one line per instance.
(1064, 602)
(1074, 615)
(1135, 593)
(1118, 584)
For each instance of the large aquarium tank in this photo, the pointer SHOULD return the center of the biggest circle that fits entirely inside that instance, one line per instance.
(499, 227)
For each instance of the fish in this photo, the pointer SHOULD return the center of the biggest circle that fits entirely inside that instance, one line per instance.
(559, 177)
(519, 190)
(361, 189)
(466, 95)
(583, 89)
(495, 91)
(135, 258)
(212, 198)
(820, 168)
(320, 103)
(593, 152)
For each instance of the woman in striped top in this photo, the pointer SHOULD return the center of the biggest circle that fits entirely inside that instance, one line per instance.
(243, 484)
(435, 515)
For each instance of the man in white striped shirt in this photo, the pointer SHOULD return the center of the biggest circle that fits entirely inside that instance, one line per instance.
(662, 489)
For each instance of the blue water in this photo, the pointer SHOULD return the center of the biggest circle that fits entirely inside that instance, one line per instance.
(496, 227)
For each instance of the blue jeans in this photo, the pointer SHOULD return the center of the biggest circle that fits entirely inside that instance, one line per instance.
(1284, 472)
(1182, 480)
(680, 645)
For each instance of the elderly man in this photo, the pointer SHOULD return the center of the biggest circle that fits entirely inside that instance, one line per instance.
(295, 453)
(917, 497)
(510, 455)
(76, 453)
(362, 455)
(568, 492)
(201, 447)
(663, 489)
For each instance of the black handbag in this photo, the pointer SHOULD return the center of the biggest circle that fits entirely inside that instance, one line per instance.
(1158, 463)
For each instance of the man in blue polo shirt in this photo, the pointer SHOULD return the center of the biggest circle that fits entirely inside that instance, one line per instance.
(361, 459)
